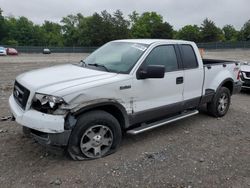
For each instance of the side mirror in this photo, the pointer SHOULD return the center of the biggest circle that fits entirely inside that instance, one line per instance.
(152, 71)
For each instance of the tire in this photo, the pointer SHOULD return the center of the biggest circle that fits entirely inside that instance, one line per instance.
(220, 104)
(96, 134)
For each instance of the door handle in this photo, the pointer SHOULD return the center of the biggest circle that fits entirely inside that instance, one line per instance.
(179, 80)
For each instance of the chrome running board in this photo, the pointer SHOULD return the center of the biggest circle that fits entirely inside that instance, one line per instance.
(147, 127)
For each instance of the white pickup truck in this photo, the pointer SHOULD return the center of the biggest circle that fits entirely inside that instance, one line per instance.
(125, 86)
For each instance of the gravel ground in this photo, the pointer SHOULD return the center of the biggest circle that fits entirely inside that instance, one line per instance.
(200, 151)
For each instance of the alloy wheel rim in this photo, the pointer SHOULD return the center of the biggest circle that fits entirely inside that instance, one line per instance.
(223, 103)
(96, 141)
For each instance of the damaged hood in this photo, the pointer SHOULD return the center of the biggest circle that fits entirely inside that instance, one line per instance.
(53, 79)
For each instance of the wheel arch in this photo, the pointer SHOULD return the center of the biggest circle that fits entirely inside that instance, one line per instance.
(228, 83)
(110, 106)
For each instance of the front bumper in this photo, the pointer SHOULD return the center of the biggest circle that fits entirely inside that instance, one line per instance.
(45, 128)
(37, 120)
(48, 139)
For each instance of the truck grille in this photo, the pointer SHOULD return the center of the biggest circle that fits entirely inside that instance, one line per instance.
(21, 94)
(247, 74)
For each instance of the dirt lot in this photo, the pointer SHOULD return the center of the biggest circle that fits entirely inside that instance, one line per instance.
(197, 152)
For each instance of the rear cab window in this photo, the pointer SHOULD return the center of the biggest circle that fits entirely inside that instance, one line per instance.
(189, 58)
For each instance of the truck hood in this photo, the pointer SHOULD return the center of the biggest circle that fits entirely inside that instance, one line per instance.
(245, 68)
(53, 79)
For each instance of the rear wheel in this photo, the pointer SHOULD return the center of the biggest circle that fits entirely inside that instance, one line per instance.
(220, 104)
(96, 135)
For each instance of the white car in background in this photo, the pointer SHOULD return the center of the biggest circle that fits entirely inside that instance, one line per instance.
(2, 51)
(245, 75)
(46, 51)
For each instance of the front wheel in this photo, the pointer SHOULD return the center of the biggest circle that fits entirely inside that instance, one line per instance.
(220, 103)
(96, 135)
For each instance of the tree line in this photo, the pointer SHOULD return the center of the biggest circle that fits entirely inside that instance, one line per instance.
(99, 28)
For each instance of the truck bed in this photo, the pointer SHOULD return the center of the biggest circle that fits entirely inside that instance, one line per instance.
(217, 70)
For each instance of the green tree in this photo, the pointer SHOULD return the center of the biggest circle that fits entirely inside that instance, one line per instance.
(210, 32)
(190, 33)
(3, 27)
(133, 18)
(108, 27)
(245, 31)
(70, 29)
(22, 31)
(144, 24)
(120, 26)
(52, 34)
(162, 31)
(101, 28)
(230, 33)
(37, 37)
(95, 30)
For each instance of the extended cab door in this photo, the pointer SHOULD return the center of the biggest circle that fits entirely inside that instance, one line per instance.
(193, 74)
(154, 98)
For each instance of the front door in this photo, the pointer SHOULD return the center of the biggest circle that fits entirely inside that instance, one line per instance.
(157, 97)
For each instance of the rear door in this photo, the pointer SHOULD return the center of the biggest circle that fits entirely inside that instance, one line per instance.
(193, 74)
(158, 97)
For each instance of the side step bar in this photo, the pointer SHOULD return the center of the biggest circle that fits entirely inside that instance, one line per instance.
(146, 127)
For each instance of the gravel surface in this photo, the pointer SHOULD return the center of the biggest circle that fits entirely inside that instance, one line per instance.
(200, 151)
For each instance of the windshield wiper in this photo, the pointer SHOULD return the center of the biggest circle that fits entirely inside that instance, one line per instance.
(99, 65)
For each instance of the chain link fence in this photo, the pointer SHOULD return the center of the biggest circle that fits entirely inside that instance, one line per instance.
(225, 45)
(39, 49)
(210, 45)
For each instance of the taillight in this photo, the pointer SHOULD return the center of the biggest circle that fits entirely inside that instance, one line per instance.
(239, 74)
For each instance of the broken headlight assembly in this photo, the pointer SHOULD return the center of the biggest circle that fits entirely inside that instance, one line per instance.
(47, 103)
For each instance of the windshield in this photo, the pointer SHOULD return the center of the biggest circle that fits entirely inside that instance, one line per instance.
(119, 57)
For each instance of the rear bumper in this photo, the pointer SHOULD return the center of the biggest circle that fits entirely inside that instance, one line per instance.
(237, 87)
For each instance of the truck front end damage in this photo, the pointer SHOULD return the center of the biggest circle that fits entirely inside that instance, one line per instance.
(50, 120)
(46, 121)
(47, 129)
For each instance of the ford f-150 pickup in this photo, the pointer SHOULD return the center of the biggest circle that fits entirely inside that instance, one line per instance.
(126, 86)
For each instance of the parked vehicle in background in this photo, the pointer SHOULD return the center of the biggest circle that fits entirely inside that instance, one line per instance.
(245, 75)
(127, 86)
(11, 51)
(2, 51)
(46, 51)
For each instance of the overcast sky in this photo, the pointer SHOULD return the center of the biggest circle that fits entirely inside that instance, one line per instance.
(177, 13)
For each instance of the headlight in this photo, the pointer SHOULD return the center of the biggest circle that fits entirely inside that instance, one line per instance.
(46, 103)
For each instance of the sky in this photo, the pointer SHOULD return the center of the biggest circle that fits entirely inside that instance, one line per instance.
(177, 13)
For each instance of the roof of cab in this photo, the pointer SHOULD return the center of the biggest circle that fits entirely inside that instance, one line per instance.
(151, 41)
